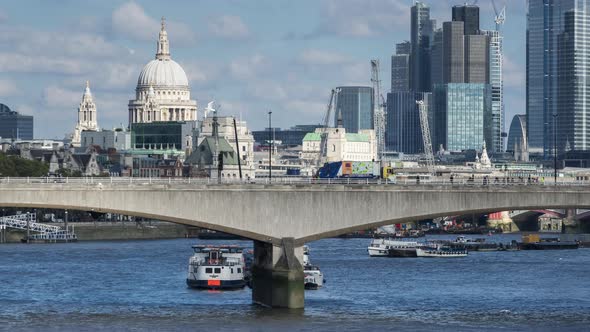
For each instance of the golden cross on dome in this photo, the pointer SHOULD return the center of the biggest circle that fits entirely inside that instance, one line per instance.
(163, 23)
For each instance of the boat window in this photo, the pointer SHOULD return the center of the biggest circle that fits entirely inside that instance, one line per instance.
(239, 270)
(232, 270)
(217, 270)
(208, 270)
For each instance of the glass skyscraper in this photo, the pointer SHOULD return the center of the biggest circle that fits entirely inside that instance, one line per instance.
(497, 86)
(15, 126)
(461, 112)
(403, 132)
(400, 67)
(422, 29)
(558, 75)
(355, 103)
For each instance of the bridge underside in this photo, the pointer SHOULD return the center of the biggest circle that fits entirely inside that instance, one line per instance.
(281, 218)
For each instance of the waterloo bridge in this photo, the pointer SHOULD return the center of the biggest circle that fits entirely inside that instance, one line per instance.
(281, 216)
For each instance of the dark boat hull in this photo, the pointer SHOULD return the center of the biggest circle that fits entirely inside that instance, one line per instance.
(410, 252)
(548, 246)
(223, 284)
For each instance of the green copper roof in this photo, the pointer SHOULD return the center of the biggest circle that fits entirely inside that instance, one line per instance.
(312, 137)
(357, 138)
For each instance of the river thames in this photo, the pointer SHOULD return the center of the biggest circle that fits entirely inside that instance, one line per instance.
(140, 285)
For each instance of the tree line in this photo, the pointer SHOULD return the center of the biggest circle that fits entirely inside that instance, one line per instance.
(16, 166)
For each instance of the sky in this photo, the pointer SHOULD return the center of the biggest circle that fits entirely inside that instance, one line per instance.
(251, 57)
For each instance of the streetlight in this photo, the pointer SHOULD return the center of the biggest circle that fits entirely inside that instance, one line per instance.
(269, 145)
(66, 224)
(554, 150)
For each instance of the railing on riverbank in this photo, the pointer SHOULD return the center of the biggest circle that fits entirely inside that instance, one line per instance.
(479, 182)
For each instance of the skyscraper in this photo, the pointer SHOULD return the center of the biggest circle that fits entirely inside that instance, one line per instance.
(460, 109)
(403, 132)
(421, 28)
(453, 60)
(400, 67)
(495, 63)
(476, 52)
(355, 103)
(436, 58)
(558, 69)
(469, 15)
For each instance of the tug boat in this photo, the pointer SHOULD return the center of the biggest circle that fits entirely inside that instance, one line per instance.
(392, 248)
(440, 251)
(216, 267)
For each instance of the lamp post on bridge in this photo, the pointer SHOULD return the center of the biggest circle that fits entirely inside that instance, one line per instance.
(270, 146)
(554, 150)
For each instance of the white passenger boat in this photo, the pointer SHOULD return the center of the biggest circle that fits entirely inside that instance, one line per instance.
(440, 251)
(392, 248)
(216, 267)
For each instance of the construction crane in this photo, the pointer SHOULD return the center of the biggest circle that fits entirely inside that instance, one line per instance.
(378, 110)
(324, 129)
(428, 154)
(500, 17)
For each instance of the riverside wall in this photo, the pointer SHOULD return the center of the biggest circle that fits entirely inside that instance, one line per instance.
(101, 231)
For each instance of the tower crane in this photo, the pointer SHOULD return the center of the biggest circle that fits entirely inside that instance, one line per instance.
(428, 154)
(500, 17)
(379, 109)
(324, 128)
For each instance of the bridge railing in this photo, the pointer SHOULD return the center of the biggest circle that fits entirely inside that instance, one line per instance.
(108, 181)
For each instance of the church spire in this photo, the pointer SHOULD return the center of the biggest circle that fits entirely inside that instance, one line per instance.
(163, 50)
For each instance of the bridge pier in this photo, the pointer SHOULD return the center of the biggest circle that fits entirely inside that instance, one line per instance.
(277, 275)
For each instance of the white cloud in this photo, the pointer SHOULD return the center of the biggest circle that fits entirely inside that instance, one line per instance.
(22, 63)
(248, 67)
(321, 57)
(58, 97)
(131, 21)
(8, 88)
(228, 26)
(362, 18)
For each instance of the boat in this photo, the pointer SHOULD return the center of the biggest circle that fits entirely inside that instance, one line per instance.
(440, 251)
(313, 276)
(392, 248)
(216, 267)
(479, 244)
(534, 242)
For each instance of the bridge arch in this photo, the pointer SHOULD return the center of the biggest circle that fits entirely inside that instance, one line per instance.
(269, 213)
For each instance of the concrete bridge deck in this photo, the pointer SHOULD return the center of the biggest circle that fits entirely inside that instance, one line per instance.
(281, 217)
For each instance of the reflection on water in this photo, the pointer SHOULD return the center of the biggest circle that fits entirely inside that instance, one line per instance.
(141, 285)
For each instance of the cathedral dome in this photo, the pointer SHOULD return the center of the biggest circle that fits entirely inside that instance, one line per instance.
(162, 73)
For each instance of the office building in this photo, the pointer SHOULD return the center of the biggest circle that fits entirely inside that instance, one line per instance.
(469, 15)
(355, 103)
(14, 125)
(422, 28)
(453, 60)
(403, 132)
(400, 67)
(476, 52)
(285, 137)
(495, 65)
(163, 135)
(558, 95)
(459, 112)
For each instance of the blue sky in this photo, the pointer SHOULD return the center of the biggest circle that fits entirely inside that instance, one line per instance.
(248, 56)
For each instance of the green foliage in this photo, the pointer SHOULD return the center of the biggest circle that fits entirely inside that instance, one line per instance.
(17, 166)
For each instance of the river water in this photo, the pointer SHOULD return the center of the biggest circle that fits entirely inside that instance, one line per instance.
(140, 285)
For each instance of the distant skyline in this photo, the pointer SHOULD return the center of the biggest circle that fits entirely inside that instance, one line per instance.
(248, 56)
